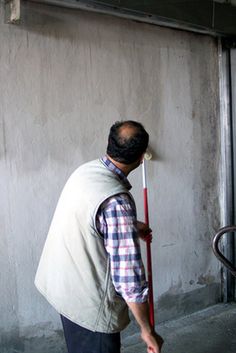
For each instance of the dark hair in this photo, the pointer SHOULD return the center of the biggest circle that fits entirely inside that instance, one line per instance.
(127, 146)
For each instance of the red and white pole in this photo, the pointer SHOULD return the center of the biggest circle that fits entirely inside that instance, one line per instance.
(148, 156)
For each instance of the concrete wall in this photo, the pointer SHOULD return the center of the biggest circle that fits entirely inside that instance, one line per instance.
(65, 77)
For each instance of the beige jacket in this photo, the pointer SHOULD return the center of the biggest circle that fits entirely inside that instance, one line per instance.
(74, 269)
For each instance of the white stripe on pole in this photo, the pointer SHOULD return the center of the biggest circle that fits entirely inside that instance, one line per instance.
(144, 174)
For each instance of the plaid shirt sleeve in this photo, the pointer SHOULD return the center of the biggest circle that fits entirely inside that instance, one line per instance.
(116, 221)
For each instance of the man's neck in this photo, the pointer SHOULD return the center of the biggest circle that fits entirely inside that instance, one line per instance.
(125, 168)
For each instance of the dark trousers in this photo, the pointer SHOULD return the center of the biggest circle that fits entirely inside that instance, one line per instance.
(80, 340)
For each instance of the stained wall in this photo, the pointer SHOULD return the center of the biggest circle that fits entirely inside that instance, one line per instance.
(65, 77)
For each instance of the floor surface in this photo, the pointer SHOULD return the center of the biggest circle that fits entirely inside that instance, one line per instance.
(212, 330)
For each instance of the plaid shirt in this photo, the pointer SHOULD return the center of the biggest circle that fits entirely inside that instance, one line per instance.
(116, 221)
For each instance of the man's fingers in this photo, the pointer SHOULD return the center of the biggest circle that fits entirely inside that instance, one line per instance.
(144, 231)
(147, 238)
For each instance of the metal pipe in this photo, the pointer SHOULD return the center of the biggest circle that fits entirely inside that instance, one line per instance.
(232, 64)
(226, 165)
(218, 253)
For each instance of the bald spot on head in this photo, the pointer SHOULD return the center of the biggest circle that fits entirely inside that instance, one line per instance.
(127, 131)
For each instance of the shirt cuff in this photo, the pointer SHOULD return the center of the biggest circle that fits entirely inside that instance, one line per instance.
(134, 295)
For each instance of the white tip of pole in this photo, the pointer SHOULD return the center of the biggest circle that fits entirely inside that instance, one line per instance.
(148, 156)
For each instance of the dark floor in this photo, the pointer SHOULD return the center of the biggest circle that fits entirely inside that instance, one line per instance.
(212, 330)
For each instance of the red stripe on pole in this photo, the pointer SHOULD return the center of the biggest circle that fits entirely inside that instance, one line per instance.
(149, 262)
(145, 199)
(150, 293)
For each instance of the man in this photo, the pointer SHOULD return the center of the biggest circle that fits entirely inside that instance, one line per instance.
(91, 269)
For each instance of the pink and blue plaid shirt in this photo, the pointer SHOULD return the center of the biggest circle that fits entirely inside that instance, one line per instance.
(116, 221)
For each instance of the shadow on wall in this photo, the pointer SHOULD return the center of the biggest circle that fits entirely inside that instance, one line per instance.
(52, 21)
(45, 19)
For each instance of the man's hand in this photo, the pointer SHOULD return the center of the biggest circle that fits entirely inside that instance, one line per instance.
(153, 341)
(144, 232)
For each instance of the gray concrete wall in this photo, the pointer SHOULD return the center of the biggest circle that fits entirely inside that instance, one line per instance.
(65, 77)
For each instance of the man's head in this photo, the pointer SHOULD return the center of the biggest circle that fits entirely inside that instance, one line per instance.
(127, 141)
